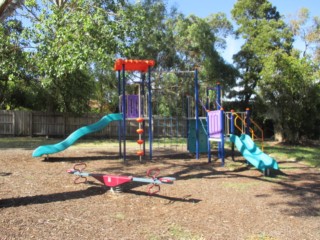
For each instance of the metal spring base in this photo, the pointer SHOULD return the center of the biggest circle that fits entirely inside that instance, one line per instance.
(116, 189)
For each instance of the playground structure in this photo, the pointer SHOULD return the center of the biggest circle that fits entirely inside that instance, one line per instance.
(222, 126)
(114, 181)
(216, 126)
(131, 106)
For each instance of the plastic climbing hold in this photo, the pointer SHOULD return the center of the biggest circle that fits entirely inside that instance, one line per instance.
(139, 120)
(140, 153)
(140, 131)
(140, 141)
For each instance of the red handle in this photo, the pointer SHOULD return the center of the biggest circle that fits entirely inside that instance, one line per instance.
(80, 179)
(152, 191)
(153, 172)
(79, 166)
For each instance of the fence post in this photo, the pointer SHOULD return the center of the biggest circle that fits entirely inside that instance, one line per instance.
(31, 123)
(13, 123)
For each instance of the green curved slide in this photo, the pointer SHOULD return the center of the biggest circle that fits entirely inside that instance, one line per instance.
(73, 137)
(252, 153)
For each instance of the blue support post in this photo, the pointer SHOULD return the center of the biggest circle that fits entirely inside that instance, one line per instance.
(232, 130)
(222, 137)
(142, 93)
(196, 90)
(207, 98)
(124, 109)
(247, 120)
(120, 123)
(218, 100)
(150, 112)
(209, 144)
(248, 123)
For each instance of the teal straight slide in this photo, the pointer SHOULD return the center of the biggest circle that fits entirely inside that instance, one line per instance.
(73, 137)
(252, 153)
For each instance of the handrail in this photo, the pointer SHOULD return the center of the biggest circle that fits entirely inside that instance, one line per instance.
(253, 135)
(201, 103)
(218, 105)
(235, 122)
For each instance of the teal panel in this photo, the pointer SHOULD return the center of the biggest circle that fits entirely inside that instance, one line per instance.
(203, 139)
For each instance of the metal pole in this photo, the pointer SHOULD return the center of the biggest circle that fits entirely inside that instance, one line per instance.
(120, 123)
(124, 107)
(222, 136)
(218, 96)
(142, 93)
(208, 136)
(218, 102)
(196, 89)
(232, 130)
(150, 112)
(248, 122)
(207, 98)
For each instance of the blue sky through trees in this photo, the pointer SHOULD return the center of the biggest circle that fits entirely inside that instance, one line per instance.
(203, 8)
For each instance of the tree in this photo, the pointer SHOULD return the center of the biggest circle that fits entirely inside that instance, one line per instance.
(197, 41)
(291, 92)
(17, 89)
(263, 31)
(7, 7)
(285, 84)
(71, 38)
(146, 33)
(308, 30)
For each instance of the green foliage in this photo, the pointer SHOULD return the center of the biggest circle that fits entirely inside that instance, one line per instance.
(264, 31)
(196, 44)
(71, 38)
(142, 29)
(61, 58)
(308, 30)
(15, 80)
(291, 91)
(272, 71)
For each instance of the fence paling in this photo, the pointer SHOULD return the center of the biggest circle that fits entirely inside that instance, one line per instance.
(34, 123)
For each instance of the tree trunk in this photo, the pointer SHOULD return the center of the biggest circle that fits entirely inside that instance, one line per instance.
(278, 132)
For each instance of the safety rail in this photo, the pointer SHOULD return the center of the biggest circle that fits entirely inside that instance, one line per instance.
(237, 116)
(227, 123)
(251, 130)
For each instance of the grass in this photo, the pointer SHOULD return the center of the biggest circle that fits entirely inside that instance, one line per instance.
(240, 186)
(261, 236)
(309, 155)
(33, 142)
(178, 232)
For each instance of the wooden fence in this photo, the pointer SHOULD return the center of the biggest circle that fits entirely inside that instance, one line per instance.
(31, 123)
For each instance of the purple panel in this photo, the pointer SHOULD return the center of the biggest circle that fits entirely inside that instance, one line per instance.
(215, 126)
(132, 106)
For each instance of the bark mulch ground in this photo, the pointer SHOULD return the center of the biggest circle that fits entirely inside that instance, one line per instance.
(38, 199)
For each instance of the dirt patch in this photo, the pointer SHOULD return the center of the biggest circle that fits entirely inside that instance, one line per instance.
(38, 199)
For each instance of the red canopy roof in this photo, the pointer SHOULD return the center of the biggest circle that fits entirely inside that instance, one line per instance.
(133, 65)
